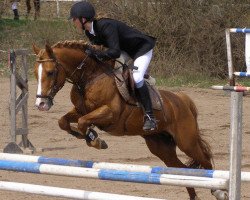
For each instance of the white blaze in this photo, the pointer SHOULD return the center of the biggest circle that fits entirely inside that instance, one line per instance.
(39, 85)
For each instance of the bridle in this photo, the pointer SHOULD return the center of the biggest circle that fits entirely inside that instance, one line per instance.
(55, 88)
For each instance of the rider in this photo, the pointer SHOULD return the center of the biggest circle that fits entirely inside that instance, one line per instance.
(14, 7)
(119, 37)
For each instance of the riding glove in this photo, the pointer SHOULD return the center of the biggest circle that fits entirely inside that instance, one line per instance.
(100, 55)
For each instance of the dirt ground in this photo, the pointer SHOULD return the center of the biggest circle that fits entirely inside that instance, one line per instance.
(214, 121)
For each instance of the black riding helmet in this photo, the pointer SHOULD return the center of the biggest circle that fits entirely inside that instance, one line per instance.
(82, 9)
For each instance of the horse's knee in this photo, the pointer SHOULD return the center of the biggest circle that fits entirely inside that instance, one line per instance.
(63, 123)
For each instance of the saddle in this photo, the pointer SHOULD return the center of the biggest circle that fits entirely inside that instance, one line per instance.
(126, 87)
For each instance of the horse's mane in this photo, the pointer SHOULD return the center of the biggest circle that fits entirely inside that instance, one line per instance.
(75, 44)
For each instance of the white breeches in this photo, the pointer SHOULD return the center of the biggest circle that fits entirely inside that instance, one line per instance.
(142, 63)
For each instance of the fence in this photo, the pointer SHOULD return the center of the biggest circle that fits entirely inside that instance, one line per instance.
(236, 112)
(18, 80)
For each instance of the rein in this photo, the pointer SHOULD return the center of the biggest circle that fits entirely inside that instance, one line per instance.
(79, 67)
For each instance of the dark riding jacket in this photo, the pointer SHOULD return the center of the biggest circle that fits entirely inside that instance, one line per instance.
(117, 37)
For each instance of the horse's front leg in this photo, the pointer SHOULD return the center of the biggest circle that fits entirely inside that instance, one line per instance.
(71, 117)
(101, 117)
(89, 136)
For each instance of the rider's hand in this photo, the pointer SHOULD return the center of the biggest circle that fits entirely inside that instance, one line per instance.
(99, 55)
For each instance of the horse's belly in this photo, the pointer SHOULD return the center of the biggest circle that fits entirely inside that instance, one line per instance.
(130, 126)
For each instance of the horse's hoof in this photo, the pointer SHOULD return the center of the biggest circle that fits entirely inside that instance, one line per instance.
(220, 194)
(98, 144)
(104, 145)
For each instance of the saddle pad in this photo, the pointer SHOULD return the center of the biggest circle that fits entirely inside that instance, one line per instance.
(123, 90)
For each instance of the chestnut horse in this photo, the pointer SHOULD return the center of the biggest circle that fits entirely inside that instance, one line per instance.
(97, 102)
(36, 8)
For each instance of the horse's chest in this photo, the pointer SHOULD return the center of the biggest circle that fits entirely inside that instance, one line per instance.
(84, 101)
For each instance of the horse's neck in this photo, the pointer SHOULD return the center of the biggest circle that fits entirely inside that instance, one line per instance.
(80, 68)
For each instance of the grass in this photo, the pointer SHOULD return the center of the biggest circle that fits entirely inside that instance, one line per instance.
(7, 24)
(190, 80)
(198, 80)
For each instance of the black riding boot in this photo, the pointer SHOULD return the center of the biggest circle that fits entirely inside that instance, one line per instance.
(144, 98)
(16, 16)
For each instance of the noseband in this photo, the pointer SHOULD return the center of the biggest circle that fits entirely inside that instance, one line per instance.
(54, 88)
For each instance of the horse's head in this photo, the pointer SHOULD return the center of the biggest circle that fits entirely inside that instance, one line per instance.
(50, 76)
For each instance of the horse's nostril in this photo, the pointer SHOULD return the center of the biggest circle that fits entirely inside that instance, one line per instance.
(41, 104)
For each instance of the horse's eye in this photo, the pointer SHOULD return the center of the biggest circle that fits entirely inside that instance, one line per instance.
(50, 73)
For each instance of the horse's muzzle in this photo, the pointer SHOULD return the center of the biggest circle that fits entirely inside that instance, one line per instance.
(43, 104)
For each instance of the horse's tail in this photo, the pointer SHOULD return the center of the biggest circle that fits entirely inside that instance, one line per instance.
(205, 147)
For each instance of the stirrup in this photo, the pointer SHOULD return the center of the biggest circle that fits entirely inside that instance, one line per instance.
(149, 123)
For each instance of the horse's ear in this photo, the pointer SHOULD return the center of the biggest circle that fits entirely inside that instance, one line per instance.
(36, 49)
(49, 50)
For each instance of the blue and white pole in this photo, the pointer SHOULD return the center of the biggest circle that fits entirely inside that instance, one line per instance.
(65, 192)
(239, 30)
(115, 175)
(245, 176)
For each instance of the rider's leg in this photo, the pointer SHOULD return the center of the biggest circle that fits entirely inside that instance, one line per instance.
(123, 59)
(144, 97)
(142, 63)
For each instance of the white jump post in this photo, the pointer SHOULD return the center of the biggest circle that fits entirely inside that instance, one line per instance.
(235, 145)
(229, 58)
(236, 112)
(20, 80)
(236, 115)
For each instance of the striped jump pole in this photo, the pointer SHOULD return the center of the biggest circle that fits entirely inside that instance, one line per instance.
(115, 175)
(245, 176)
(239, 30)
(231, 88)
(65, 192)
(242, 74)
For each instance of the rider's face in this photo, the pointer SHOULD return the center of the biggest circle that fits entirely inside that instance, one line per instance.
(77, 24)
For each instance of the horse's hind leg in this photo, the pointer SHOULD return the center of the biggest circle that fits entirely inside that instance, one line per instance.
(192, 144)
(188, 137)
(164, 147)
